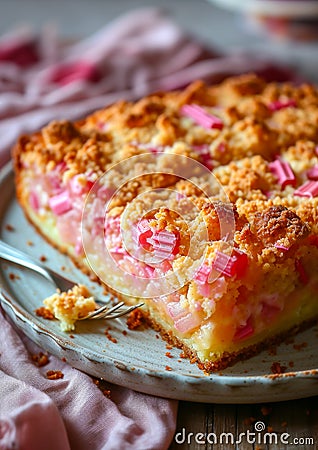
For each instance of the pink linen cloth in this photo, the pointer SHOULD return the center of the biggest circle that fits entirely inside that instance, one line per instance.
(72, 413)
(42, 79)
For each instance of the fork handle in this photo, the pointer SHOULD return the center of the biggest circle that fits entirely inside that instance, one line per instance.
(22, 259)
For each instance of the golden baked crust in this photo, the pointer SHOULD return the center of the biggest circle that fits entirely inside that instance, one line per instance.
(263, 151)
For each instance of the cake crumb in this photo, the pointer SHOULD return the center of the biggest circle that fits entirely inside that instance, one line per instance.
(9, 227)
(40, 359)
(277, 368)
(168, 368)
(124, 332)
(54, 375)
(168, 355)
(70, 306)
(109, 336)
(14, 276)
(43, 258)
(45, 313)
(169, 347)
(101, 384)
(106, 393)
(30, 243)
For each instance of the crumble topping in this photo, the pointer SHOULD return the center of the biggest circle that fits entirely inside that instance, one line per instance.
(253, 133)
(278, 225)
(62, 135)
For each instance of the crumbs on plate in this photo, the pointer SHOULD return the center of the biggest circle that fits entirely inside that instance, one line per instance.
(277, 368)
(109, 336)
(9, 227)
(13, 276)
(45, 313)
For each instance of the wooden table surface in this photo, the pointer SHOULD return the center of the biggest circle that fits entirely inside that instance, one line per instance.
(298, 418)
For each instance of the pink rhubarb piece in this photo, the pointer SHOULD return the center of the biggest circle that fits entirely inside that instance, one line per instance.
(309, 189)
(282, 170)
(202, 117)
(281, 104)
(60, 203)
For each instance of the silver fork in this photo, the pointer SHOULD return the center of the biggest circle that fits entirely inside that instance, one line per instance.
(9, 253)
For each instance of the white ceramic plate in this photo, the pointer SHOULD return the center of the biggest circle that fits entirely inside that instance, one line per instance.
(138, 359)
(293, 9)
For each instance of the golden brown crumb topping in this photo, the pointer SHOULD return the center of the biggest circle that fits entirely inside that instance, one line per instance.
(242, 103)
(278, 223)
(260, 122)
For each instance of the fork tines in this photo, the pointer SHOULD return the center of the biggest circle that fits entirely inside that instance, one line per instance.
(105, 312)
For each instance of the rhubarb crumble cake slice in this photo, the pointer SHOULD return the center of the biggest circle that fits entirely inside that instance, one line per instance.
(202, 202)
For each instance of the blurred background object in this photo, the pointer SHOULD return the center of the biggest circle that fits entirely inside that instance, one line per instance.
(67, 58)
(212, 22)
(285, 19)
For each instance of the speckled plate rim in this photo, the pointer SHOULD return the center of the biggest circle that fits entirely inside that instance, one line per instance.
(202, 388)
